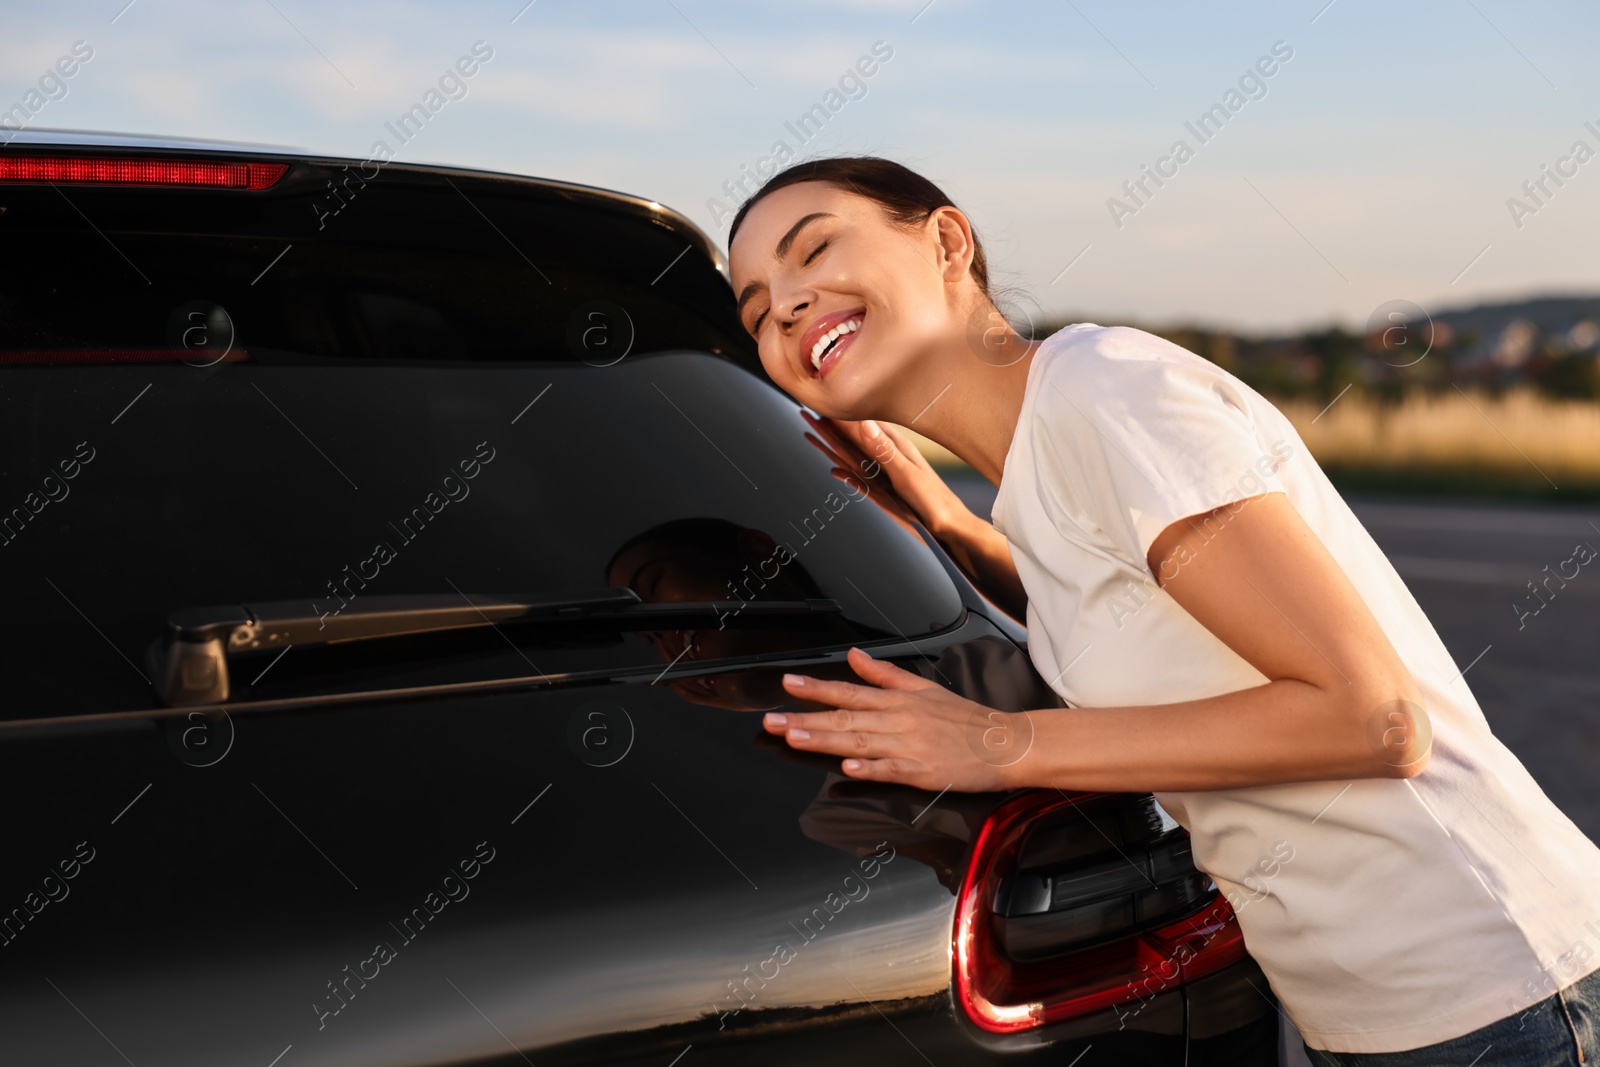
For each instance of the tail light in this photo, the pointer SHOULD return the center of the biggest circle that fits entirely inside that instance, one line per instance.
(1074, 904)
(113, 170)
(63, 356)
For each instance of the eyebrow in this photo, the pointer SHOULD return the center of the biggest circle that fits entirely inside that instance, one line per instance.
(784, 244)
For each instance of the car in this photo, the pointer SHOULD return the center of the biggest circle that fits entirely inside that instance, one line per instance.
(394, 557)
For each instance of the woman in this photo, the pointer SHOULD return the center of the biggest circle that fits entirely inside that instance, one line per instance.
(1228, 635)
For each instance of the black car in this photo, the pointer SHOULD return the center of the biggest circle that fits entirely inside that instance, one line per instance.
(394, 558)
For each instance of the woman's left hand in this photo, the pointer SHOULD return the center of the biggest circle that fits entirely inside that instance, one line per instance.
(902, 728)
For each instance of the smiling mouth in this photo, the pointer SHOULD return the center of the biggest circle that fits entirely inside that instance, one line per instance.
(831, 345)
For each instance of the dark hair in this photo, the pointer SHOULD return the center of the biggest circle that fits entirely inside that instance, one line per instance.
(904, 196)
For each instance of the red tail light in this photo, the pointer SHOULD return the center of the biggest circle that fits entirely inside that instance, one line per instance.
(63, 356)
(1076, 904)
(80, 170)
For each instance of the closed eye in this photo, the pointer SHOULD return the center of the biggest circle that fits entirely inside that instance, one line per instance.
(815, 252)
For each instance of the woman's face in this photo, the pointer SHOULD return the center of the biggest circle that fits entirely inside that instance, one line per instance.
(895, 292)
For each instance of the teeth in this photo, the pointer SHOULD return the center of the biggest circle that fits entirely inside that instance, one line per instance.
(828, 338)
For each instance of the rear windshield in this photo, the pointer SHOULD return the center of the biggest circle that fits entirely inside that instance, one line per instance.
(382, 415)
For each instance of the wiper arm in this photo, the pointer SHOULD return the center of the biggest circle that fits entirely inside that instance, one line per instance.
(191, 664)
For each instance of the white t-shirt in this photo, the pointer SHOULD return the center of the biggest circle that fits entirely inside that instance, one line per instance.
(1387, 913)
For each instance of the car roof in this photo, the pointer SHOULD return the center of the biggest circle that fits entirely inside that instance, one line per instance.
(43, 137)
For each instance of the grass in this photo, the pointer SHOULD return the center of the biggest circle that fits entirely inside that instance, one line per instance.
(1519, 444)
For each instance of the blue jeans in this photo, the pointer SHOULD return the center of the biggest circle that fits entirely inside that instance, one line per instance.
(1562, 1030)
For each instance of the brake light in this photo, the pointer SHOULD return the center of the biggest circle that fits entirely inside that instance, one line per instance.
(1071, 905)
(80, 170)
(66, 356)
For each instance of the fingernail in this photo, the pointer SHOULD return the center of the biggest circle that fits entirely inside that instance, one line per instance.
(795, 680)
(776, 718)
(798, 734)
(872, 428)
(852, 765)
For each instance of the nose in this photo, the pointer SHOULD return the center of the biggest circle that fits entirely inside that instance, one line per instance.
(791, 296)
(790, 310)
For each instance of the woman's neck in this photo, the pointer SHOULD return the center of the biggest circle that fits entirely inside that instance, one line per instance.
(974, 401)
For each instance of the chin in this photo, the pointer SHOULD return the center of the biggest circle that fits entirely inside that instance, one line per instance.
(847, 399)
(847, 393)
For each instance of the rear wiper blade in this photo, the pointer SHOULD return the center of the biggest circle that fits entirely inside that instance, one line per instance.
(191, 663)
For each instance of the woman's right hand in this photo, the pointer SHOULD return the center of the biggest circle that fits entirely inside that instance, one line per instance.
(976, 546)
(914, 480)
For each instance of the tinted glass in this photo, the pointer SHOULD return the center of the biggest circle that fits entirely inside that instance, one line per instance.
(357, 429)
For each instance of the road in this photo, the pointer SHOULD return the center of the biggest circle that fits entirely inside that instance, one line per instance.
(1536, 675)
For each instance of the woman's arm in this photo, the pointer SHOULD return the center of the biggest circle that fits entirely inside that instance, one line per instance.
(984, 555)
(1339, 703)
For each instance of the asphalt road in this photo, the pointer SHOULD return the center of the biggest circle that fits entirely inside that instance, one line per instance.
(1536, 674)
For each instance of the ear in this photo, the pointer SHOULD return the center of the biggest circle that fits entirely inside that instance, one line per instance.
(957, 246)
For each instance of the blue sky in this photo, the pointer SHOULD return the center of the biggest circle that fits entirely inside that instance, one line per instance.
(1376, 166)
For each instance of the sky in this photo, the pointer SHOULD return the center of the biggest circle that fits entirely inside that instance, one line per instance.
(1376, 162)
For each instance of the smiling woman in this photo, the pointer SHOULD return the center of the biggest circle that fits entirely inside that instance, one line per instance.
(858, 226)
(1280, 684)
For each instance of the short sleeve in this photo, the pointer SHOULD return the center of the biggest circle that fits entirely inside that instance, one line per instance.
(1134, 433)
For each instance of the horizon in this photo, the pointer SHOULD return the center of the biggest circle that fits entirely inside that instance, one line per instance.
(1357, 329)
(1257, 170)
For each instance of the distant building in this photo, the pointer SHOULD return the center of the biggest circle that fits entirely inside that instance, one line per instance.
(1583, 336)
(1501, 351)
